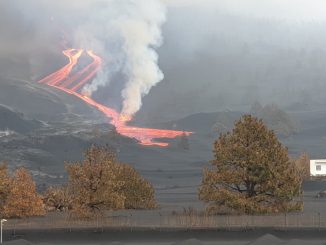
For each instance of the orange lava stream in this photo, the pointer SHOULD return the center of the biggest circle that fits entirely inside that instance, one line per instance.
(63, 73)
(89, 71)
(93, 69)
(62, 79)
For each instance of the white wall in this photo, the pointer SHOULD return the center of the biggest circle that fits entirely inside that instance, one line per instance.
(313, 167)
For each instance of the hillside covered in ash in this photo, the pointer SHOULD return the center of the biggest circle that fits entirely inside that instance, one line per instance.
(44, 138)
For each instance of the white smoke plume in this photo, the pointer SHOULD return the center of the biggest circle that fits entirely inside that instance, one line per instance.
(126, 32)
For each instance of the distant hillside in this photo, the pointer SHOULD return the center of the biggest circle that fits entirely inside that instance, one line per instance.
(204, 122)
(217, 122)
(15, 121)
(40, 101)
(275, 118)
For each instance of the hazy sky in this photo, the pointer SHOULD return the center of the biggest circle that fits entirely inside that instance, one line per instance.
(298, 10)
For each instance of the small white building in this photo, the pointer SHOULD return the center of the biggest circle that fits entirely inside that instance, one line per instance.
(318, 167)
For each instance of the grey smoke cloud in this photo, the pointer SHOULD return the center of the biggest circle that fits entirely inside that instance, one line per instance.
(126, 33)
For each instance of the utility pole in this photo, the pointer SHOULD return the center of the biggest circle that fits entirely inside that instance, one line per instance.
(2, 221)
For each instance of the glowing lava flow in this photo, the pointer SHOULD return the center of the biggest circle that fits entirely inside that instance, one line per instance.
(70, 84)
(64, 72)
(93, 68)
(89, 71)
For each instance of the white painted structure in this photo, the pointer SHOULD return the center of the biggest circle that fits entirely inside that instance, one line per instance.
(318, 167)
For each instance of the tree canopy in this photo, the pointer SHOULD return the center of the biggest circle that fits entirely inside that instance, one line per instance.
(100, 183)
(4, 185)
(302, 164)
(22, 199)
(138, 192)
(251, 172)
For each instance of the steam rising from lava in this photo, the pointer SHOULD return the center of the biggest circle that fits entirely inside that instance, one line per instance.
(129, 31)
(69, 83)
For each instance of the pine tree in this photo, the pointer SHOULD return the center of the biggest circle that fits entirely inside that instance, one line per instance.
(251, 172)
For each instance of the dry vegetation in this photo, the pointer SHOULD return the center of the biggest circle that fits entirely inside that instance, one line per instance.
(303, 165)
(18, 194)
(97, 184)
(57, 199)
(4, 185)
(138, 192)
(100, 183)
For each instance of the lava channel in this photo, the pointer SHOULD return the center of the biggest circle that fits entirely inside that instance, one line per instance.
(71, 83)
